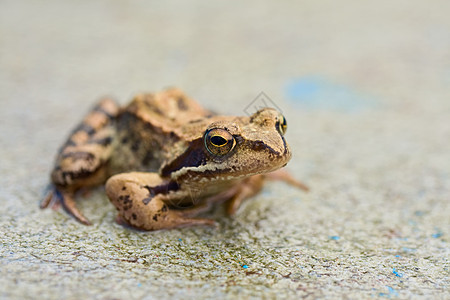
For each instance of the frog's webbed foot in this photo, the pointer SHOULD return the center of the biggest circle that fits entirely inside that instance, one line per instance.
(141, 201)
(55, 198)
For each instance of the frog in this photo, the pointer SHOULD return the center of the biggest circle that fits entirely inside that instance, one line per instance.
(164, 160)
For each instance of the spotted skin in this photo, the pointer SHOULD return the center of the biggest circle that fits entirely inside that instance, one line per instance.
(165, 160)
(141, 207)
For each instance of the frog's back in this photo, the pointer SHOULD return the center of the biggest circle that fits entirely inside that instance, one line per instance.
(150, 129)
(167, 109)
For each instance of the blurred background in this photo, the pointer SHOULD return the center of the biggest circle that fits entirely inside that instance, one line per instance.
(364, 87)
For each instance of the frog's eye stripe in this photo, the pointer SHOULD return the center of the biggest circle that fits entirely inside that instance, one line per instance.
(281, 124)
(219, 141)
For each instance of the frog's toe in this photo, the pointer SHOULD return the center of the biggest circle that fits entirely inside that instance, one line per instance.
(49, 197)
(68, 202)
(181, 221)
(55, 198)
(66, 199)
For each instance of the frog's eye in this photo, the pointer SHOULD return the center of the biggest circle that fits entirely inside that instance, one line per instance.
(281, 124)
(219, 141)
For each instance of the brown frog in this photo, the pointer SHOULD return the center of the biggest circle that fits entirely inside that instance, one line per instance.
(183, 158)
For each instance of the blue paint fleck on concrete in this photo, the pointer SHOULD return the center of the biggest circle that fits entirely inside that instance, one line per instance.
(419, 213)
(391, 292)
(314, 92)
(394, 271)
(335, 238)
(406, 249)
(437, 235)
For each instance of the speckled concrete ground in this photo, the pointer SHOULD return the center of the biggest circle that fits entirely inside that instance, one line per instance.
(365, 89)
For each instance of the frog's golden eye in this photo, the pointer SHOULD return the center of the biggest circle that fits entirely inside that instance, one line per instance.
(219, 141)
(281, 124)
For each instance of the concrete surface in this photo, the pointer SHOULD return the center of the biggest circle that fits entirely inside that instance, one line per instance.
(365, 89)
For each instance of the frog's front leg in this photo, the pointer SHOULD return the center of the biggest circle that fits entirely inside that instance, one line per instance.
(82, 160)
(141, 199)
(246, 189)
(252, 185)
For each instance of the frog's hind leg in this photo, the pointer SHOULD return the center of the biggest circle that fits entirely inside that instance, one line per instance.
(141, 199)
(81, 161)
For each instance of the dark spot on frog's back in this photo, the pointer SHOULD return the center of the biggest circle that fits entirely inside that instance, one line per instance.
(182, 104)
(147, 158)
(260, 146)
(195, 121)
(153, 108)
(135, 145)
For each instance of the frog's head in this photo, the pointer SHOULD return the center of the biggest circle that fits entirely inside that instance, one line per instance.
(233, 148)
